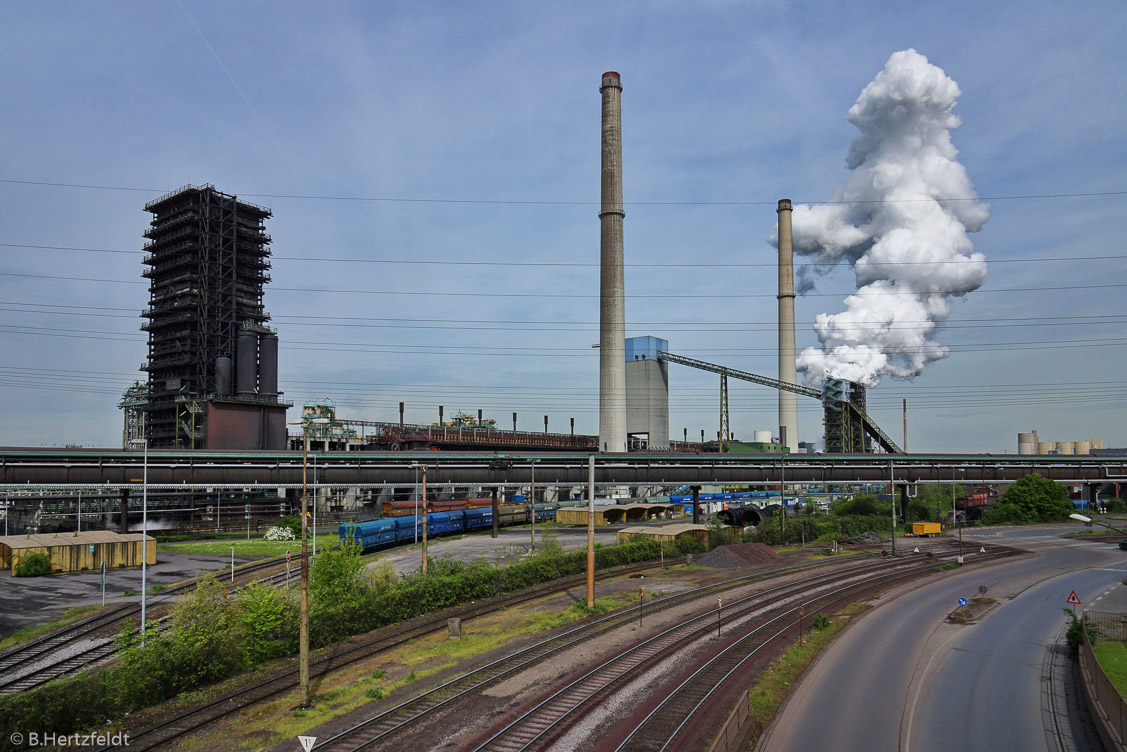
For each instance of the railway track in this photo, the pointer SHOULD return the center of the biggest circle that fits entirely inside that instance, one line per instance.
(544, 723)
(388, 729)
(389, 726)
(90, 641)
(200, 716)
(675, 721)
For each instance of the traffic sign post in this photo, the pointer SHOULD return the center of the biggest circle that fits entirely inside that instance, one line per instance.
(962, 602)
(287, 568)
(103, 584)
(307, 742)
(1074, 601)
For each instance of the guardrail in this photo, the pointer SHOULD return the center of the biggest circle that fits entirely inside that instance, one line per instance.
(1109, 711)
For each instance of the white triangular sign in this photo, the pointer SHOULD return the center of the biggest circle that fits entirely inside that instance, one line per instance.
(307, 742)
(982, 550)
(916, 550)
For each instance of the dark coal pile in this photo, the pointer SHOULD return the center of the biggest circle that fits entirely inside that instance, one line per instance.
(738, 555)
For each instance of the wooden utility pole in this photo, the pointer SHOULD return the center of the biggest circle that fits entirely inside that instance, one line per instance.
(424, 519)
(591, 531)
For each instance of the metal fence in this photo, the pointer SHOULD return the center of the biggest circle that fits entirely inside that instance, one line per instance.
(1111, 626)
(736, 731)
(1107, 705)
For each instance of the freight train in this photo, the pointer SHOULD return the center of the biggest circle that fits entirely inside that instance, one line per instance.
(390, 531)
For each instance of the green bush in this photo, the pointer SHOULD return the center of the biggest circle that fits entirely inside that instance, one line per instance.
(212, 637)
(1075, 635)
(1028, 500)
(293, 522)
(32, 565)
(821, 621)
(269, 618)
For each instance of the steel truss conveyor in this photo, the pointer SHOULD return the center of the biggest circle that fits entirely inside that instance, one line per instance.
(848, 427)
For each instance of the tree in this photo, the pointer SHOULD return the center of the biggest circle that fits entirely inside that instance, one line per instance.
(1031, 499)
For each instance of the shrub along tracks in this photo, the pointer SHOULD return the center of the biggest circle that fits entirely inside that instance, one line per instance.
(205, 713)
(88, 642)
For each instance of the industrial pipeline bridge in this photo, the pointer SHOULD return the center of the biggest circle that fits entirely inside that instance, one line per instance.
(107, 469)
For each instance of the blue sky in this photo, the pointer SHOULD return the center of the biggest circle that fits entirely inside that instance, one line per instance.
(477, 128)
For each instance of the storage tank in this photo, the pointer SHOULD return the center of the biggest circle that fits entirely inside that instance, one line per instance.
(246, 373)
(762, 437)
(268, 365)
(1083, 447)
(223, 368)
(1044, 447)
(1066, 447)
(1027, 443)
(1097, 443)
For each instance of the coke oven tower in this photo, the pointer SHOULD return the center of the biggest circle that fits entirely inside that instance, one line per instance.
(213, 362)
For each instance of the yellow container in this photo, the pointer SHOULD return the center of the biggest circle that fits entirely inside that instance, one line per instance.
(924, 529)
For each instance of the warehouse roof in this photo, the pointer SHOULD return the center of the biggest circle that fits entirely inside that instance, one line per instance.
(676, 529)
(93, 537)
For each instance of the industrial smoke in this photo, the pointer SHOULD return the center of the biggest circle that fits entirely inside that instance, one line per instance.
(901, 219)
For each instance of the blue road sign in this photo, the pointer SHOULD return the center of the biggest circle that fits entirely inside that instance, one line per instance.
(962, 601)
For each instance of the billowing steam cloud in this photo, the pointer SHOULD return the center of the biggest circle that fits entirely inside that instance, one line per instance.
(909, 249)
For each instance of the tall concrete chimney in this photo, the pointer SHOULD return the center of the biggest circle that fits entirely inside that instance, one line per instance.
(788, 401)
(612, 298)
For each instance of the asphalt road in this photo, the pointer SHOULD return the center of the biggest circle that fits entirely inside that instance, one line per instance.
(904, 679)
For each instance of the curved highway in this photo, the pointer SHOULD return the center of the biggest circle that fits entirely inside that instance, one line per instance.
(904, 679)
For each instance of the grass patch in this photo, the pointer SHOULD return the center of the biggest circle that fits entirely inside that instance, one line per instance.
(244, 547)
(394, 677)
(834, 555)
(27, 634)
(776, 682)
(1112, 657)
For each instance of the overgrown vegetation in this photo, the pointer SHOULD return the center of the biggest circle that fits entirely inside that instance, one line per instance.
(1031, 499)
(1075, 634)
(213, 636)
(32, 565)
(776, 682)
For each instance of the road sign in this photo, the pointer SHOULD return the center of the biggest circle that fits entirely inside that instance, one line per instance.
(307, 742)
(1074, 599)
(962, 601)
(287, 555)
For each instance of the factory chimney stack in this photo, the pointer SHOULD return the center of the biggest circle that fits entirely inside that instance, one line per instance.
(612, 298)
(788, 401)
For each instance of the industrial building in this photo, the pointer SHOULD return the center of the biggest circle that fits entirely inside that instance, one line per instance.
(213, 362)
(79, 551)
(647, 392)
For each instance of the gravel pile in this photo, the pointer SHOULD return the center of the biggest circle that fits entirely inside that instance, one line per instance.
(867, 538)
(738, 555)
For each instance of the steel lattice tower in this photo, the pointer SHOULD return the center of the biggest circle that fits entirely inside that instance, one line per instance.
(208, 258)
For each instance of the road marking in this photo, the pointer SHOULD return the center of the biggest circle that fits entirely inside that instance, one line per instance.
(919, 687)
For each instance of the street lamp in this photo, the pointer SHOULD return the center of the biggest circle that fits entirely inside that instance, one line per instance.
(144, 527)
(303, 625)
(1082, 518)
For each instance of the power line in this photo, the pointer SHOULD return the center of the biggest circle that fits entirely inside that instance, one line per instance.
(660, 296)
(584, 265)
(542, 202)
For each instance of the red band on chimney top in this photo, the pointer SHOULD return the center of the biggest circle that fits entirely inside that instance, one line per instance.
(610, 74)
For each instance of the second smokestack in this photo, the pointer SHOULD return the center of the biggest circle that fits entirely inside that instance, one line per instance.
(788, 401)
(612, 297)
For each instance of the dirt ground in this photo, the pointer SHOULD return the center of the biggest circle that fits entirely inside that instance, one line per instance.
(458, 728)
